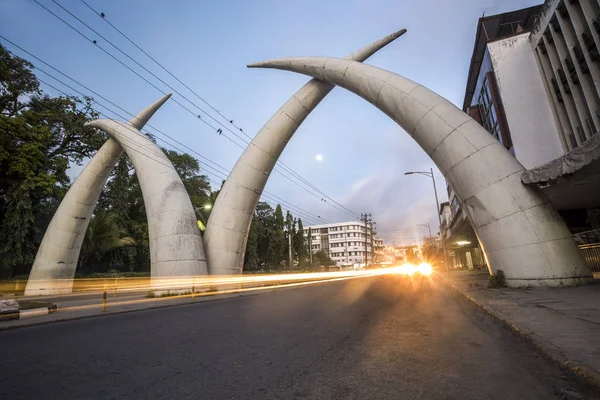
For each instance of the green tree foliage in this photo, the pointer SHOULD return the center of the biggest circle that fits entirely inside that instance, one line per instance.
(321, 258)
(267, 244)
(290, 230)
(16, 80)
(123, 196)
(40, 137)
(299, 244)
(277, 245)
(102, 237)
(196, 185)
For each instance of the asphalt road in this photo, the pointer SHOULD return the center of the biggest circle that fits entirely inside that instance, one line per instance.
(374, 338)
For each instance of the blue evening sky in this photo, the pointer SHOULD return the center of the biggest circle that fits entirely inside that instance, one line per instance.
(207, 44)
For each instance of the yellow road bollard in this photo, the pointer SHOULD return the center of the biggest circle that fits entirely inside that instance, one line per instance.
(193, 287)
(16, 290)
(104, 295)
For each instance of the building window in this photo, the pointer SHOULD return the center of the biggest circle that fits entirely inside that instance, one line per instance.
(488, 112)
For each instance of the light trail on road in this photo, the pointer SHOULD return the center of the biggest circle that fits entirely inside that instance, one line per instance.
(160, 289)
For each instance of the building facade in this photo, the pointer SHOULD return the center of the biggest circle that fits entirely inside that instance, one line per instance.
(534, 84)
(345, 242)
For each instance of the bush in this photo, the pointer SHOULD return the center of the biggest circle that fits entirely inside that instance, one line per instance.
(497, 280)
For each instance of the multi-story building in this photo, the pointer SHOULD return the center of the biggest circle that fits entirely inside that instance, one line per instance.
(534, 84)
(379, 250)
(345, 242)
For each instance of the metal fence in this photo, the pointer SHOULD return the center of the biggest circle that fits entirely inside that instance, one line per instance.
(591, 253)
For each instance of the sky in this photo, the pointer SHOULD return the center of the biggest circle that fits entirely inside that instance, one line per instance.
(346, 147)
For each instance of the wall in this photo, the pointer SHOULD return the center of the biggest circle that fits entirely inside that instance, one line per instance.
(546, 14)
(530, 119)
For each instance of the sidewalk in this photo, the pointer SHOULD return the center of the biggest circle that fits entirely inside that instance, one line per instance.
(563, 323)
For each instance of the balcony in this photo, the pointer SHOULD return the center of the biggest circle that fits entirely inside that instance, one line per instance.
(571, 70)
(580, 58)
(596, 24)
(590, 45)
(556, 89)
(563, 80)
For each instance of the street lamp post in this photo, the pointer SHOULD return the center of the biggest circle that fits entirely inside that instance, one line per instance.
(204, 207)
(437, 204)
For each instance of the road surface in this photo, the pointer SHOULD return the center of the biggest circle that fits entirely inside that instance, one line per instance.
(370, 338)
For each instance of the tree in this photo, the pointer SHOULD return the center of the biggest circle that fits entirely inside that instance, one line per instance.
(277, 244)
(40, 137)
(299, 243)
(252, 261)
(122, 196)
(321, 258)
(290, 230)
(16, 81)
(103, 236)
(196, 185)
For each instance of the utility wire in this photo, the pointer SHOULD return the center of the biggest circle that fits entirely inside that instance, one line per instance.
(216, 172)
(141, 66)
(95, 43)
(339, 207)
(101, 15)
(286, 168)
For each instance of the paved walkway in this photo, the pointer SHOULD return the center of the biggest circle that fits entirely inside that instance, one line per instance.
(564, 323)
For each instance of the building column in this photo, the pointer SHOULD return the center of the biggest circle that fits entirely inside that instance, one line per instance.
(588, 81)
(578, 98)
(590, 11)
(558, 107)
(567, 97)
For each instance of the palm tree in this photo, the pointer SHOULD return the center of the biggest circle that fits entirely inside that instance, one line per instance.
(103, 235)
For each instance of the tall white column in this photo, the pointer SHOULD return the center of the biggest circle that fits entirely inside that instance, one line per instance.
(176, 248)
(519, 230)
(229, 223)
(54, 267)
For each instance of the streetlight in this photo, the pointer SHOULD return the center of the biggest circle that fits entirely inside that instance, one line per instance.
(437, 207)
(206, 207)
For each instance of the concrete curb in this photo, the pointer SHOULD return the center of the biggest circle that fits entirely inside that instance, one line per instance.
(31, 313)
(581, 371)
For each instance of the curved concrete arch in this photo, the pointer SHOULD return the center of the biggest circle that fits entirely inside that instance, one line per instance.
(56, 260)
(519, 230)
(227, 229)
(176, 247)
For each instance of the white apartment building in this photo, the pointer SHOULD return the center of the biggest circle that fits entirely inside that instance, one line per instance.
(345, 242)
(534, 84)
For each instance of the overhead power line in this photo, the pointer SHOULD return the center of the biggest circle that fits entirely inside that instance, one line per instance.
(101, 15)
(336, 205)
(148, 152)
(152, 154)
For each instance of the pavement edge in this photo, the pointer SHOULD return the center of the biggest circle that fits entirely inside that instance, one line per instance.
(580, 370)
